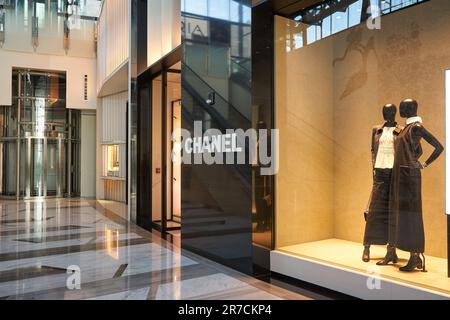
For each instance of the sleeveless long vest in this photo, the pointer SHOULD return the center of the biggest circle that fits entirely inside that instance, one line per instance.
(406, 229)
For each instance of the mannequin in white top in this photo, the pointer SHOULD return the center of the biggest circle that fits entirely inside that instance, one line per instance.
(383, 154)
(386, 151)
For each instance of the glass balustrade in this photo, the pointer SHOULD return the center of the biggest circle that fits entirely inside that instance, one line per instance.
(50, 27)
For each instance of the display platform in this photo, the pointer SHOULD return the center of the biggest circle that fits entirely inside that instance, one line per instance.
(337, 265)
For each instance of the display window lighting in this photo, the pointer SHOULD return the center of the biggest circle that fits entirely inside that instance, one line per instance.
(447, 138)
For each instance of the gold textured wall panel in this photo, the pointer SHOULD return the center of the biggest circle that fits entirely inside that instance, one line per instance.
(304, 115)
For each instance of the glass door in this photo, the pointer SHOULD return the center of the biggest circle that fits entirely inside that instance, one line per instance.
(56, 167)
(175, 175)
(36, 157)
(158, 87)
(172, 172)
(158, 218)
(166, 178)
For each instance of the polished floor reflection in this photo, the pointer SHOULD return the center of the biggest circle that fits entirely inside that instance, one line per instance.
(76, 249)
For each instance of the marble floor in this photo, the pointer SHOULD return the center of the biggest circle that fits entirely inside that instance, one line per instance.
(77, 249)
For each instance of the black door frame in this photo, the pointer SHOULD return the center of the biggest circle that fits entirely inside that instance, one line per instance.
(145, 149)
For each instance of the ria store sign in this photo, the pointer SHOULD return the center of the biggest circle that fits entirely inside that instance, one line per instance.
(256, 147)
(194, 28)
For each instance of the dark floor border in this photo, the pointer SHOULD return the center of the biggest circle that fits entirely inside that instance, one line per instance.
(305, 288)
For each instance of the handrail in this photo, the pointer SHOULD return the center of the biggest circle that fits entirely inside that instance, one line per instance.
(238, 78)
(216, 93)
(224, 125)
(239, 64)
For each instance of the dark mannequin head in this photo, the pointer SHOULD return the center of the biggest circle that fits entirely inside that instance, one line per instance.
(408, 108)
(389, 113)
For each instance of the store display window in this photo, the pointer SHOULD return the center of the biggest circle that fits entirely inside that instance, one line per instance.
(112, 161)
(362, 117)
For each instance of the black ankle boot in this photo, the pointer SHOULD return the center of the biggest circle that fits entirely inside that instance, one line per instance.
(391, 256)
(415, 262)
(366, 254)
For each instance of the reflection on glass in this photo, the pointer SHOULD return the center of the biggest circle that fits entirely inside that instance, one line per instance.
(39, 218)
(339, 21)
(220, 9)
(330, 18)
(84, 9)
(112, 242)
(46, 20)
(229, 10)
(354, 13)
(217, 59)
(40, 117)
(199, 7)
(447, 107)
(8, 172)
(37, 146)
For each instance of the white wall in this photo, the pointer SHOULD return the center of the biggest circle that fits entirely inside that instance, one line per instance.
(114, 118)
(164, 28)
(75, 67)
(113, 38)
(88, 155)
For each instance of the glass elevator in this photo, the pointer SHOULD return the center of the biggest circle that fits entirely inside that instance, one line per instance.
(39, 138)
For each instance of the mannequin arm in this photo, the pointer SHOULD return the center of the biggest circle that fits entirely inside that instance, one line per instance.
(374, 131)
(421, 132)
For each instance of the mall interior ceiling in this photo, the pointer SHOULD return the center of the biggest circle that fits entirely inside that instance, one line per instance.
(290, 8)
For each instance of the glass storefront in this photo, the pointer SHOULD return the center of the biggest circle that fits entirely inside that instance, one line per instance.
(216, 92)
(207, 79)
(362, 117)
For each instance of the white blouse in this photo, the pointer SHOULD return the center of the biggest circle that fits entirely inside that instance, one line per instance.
(413, 120)
(386, 151)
